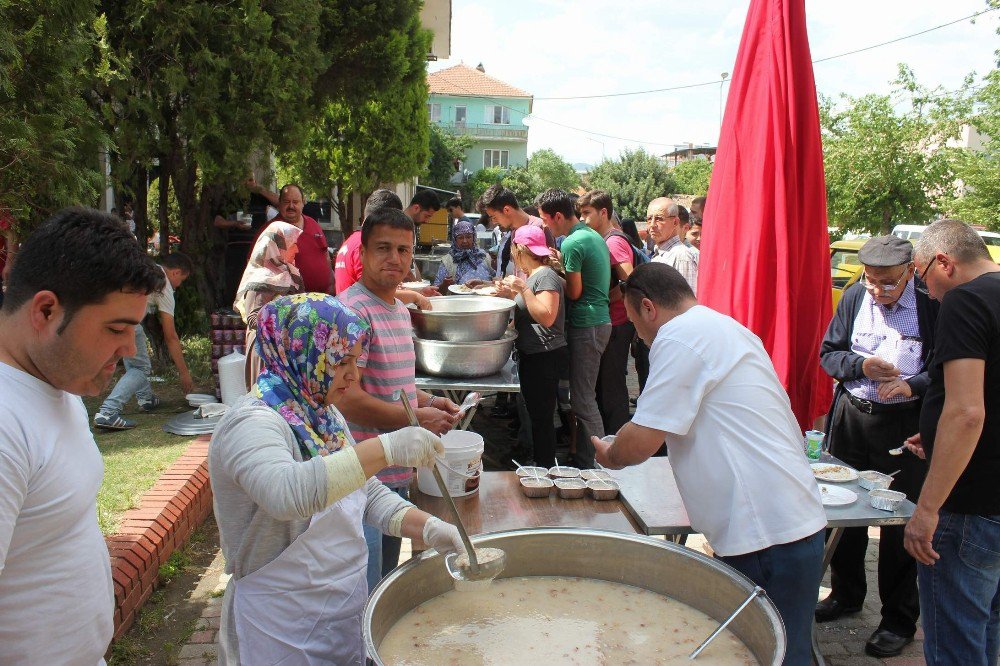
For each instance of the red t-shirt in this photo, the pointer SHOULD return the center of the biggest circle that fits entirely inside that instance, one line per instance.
(347, 266)
(313, 259)
(621, 253)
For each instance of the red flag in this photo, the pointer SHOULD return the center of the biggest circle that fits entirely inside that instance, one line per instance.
(765, 257)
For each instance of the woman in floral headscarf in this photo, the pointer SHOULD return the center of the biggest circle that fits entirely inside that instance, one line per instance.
(465, 261)
(270, 272)
(291, 490)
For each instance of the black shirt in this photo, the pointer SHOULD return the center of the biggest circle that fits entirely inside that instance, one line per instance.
(968, 326)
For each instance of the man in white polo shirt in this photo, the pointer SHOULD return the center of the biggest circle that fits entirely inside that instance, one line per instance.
(735, 447)
(74, 299)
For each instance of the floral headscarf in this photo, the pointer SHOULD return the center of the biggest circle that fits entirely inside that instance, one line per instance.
(270, 269)
(301, 339)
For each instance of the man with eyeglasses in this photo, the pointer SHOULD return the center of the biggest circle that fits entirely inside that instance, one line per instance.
(955, 530)
(664, 226)
(876, 347)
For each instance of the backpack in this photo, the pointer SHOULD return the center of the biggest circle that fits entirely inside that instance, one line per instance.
(638, 256)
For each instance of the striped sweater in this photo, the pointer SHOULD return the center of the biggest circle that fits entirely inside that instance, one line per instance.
(388, 364)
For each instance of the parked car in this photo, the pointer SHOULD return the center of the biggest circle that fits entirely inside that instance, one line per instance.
(845, 269)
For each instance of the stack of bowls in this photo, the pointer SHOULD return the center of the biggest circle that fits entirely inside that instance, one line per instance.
(463, 336)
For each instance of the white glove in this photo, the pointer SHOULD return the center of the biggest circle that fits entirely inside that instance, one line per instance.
(442, 536)
(412, 446)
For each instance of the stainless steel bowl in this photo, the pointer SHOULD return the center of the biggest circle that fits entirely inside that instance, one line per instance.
(683, 574)
(463, 318)
(463, 359)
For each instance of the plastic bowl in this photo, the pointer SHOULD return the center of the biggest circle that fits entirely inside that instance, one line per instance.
(603, 490)
(571, 488)
(532, 487)
(886, 500)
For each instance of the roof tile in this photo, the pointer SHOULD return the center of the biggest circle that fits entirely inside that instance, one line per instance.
(462, 80)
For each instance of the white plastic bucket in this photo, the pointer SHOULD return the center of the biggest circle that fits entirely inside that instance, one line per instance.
(463, 453)
(232, 377)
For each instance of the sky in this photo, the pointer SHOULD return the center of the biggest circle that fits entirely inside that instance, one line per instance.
(555, 48)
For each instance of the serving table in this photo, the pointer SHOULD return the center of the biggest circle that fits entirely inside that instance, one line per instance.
(500, 505)
(455, 389)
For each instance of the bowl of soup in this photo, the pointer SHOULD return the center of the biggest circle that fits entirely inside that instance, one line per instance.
(601, 597)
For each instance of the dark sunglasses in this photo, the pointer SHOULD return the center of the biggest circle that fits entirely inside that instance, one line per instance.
(624, 286)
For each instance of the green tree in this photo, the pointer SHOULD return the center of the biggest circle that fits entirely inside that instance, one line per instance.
(633, 180)
(445, 149)
(693, 177)
(979, 172)
(886, 167)
(549, 170)
(483, 179)
(50, 136)
(359, 144)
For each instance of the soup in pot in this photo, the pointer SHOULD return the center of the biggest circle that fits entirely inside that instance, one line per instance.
(556, 620)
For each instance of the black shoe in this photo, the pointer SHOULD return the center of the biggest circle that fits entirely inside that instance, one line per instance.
(501, 412)
(885, 643)
(830, 609)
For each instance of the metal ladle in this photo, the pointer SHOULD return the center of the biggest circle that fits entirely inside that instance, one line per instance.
(757, 591)
(476, 571)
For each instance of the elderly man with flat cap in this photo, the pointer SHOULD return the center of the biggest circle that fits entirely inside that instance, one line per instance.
(876, 348)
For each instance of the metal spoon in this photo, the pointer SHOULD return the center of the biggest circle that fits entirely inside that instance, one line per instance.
(487, 570)
(757, 591)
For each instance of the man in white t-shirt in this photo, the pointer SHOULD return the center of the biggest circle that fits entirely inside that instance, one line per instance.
(176, 268)
(735, 447)
(74, 298)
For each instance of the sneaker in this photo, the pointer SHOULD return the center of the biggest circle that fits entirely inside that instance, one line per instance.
(113, 422)
(151, 405)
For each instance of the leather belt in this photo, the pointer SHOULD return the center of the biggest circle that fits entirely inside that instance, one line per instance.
(869, 407)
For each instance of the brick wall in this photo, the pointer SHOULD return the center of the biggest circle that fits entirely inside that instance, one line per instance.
(167, 515)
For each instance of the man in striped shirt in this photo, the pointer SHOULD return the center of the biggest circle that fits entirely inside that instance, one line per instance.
(389, 363)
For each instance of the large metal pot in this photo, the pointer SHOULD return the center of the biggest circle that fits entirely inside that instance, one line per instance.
(463, 359)
(463, 318)
(683, 574)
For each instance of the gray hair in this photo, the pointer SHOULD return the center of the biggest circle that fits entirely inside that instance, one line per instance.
(952, 237)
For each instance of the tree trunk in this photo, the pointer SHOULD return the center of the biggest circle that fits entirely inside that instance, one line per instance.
(346, 222)
(886, 228)
(139, 207)
(164, 203)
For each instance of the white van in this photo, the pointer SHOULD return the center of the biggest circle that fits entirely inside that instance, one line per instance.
(914, 231)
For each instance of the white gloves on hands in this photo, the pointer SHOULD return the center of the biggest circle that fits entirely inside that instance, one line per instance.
(442, 536)
(411, 446)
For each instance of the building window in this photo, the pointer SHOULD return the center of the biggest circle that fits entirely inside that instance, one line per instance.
(434, 111)
(497, 115)
(495, 158)
(460, 115)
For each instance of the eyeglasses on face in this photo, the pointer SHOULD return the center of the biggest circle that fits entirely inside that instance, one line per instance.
(884, 286)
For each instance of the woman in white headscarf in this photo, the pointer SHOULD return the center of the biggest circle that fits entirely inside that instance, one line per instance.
(271, 272)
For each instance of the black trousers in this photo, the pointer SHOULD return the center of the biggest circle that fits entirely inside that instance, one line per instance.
(539, 375)
(640, 352)
(862, 441)
(612, 390)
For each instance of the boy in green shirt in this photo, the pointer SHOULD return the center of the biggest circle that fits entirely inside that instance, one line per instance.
(588, 327)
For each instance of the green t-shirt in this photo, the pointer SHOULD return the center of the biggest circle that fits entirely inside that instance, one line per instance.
(586, 253)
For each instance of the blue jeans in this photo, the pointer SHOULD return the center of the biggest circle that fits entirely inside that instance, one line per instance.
(960, 593)
(790, 573)
(383, 550)
(135, 381)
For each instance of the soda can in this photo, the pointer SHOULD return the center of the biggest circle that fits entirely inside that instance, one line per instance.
(814, 444)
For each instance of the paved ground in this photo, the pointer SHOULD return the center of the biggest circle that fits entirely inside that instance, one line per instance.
(842, 642)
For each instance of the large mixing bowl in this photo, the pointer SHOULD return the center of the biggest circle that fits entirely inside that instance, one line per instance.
(692, 578)
(462, 318)
(463, 359)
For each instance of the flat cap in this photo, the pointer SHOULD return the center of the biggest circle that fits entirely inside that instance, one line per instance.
(884, 251)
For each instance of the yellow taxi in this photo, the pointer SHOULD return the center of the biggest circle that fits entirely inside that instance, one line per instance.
(845, 269)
